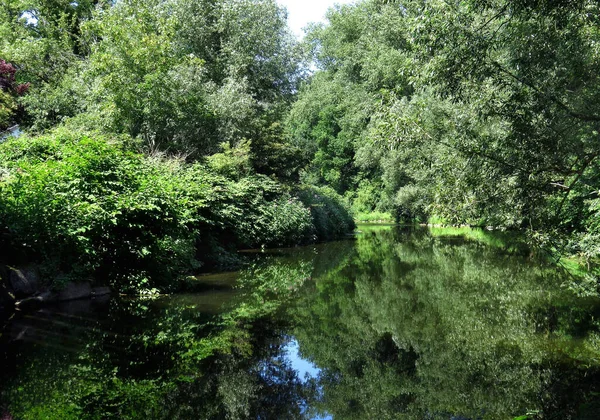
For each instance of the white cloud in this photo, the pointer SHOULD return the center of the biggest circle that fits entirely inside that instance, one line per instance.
(302, 12)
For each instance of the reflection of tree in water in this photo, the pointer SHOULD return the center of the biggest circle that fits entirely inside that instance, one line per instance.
(402, 324)
(102, 379)
(154, 360)
(260, 385)
(434, 327)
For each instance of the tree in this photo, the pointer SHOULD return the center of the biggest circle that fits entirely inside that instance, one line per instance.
(480, 112)
(10, 89)
(186, 77)
(360, 61)
(44, 39)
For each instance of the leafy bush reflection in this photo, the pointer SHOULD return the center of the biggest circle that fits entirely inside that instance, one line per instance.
(399, 324)
(431, 327)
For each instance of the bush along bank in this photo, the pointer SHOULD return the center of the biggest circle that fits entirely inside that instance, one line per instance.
(85, 206)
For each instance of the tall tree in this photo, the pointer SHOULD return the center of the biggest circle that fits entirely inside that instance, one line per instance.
(44, 39)
(483, 112)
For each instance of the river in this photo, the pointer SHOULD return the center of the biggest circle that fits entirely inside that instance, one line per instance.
(399, 322)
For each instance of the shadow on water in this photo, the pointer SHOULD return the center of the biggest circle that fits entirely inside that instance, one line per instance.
(399, 323)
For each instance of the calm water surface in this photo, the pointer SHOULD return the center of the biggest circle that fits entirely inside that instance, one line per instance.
(399, 323)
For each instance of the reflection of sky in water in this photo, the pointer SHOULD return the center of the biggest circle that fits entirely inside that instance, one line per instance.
(300, 365)
(305, 369)
(12, 131)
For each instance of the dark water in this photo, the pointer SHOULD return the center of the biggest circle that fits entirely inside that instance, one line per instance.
(399, 323)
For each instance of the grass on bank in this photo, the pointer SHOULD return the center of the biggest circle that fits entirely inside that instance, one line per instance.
(510, 241)
(374, 217)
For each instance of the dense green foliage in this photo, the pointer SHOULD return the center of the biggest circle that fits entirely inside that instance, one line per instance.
(472, 112)
(182, 76)
(86, 205)
(165, 135)
(462, 112)
(43, 39)
(170, 150)
(329, 213)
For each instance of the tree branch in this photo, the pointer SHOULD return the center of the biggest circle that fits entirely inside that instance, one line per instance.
(569, 111)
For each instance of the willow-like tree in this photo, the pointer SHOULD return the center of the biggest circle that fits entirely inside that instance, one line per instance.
(481, 112)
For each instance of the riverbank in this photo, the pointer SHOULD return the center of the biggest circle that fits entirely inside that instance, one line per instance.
(83, 206)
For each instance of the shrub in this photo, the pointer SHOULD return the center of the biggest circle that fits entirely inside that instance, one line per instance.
(255, 211)
(367, 196)
(87, 206)
(233, 162)
(10, 90)
(331, 216)
(8, 107)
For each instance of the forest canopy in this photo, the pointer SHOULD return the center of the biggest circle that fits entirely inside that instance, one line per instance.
(463, 112)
